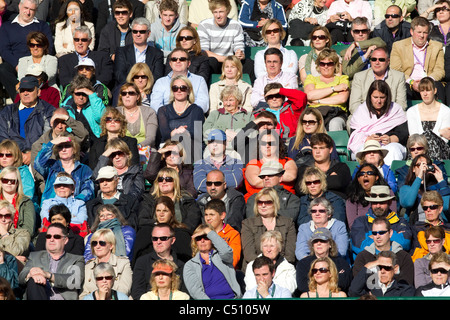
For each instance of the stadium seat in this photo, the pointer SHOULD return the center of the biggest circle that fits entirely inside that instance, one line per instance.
(340, 138)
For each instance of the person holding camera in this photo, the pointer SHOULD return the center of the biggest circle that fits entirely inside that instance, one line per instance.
(423, 175)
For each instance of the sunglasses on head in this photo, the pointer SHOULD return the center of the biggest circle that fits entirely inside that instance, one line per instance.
(96, 243)
(215, 183)
(373, 59)
(109, 278)
(139, 31)
(308, 183)
(54, 236)
(432, 207)
(8, 155)
(187, 38)
(412, 149)
(319, 37)
(182, 88)
(163, 238)
(271, 31)
(167, 179)
(80, 39)
(321, 270)
(435, 241)
(439, 270)
(369, 173)
(393, 16)
(376, 233)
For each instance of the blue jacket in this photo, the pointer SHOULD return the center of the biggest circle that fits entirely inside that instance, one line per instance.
(76, 207)
(337, 202)
(49, 168)
(362, 230)
(388, 175)
(246, 13)
(36, 124)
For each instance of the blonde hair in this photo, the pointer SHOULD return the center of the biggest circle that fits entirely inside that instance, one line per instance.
(11, 169)
(332, 283)
(169, 172)
(237, 63)
(191, 96)
(13, 147)
(108, 236)
(145, 69)
(175, 283)
(271, 192)
(313, 171)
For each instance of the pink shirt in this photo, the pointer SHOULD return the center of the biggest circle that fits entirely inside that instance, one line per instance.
(419, 62)
(356, 8)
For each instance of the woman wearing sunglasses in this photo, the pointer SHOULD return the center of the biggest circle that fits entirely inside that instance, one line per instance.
(439, 286)
(329, 92)
(266, 218)
(109, 217)
(314, 185)
(141, 75)
(210, 273)
(113, 124)
(63, 154)
(323, 280)
(440, 13)
(322, 216)
(104, 280)
(167, 183)
(103, 244)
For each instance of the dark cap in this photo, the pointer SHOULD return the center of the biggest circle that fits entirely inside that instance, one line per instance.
(29, 82)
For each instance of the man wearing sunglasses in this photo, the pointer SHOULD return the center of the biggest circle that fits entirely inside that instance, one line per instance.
(381, 234)
(394, 27)
(53, 274)
(380, 200)
(378, 278)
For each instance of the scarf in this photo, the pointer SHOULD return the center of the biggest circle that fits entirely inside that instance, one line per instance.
(116, 228)
(365, 124)
(310, 59)
(16, 214)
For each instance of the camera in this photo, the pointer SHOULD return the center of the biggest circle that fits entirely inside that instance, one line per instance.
(430, 168)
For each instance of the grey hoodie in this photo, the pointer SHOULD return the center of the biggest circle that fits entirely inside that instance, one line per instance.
(163, 39)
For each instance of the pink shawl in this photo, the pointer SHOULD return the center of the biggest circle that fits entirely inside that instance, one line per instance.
(365, 124)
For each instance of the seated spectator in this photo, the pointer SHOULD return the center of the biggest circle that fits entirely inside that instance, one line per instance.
(402, 59)
(82, 37)
(380, 202)
(164, 213)
(11, 189)
(379, 70)
(273, 33)
(271, 150)
(331, 103)
(263, 270)
(441, 22)
(208, 248)
(167, 183)
(304, 18)
(271, 245)
(266, 218)
(66, 153)
(163, 237)
(152, 11)
(340, 16)
(405, 10)
(109, 217)
(39, 47)
(337, 173)
(375, 154)
(84, 105)
(163, 288)
(431, 118)
(105, 12)
(383, 269)
(323, 281)
(103, 242)
(253, 16)
(141, 120)
(189, 40)
(47, 93)
(113, 125)
(14, 241)
(171, 155)
(382, 233)
(55, 8)
(61, 214)
(139, 51)
(218, 159)
(180, 61)
(117, 32)
(313, 186)
(432, 203)
(422, 176)
(222, 36)
(434, 243)
(439, 286)
(357, 55)
(272, 177)
(199, 11)
(273, 59)
(322, 245)
(365, 177)
(230, 117)
(71, 16)
(286, 104)
(26, 125)
(86, 67)
(309, 122)
(164, 31)
(41, 277)
(217, 189)
(9, 276)
(215, 215)
(320, 38)
(141, 75)
(380, 119)
(105, 278)
(394, 27)
(64, 187)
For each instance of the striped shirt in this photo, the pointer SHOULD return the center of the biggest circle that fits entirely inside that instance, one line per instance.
(224, 41)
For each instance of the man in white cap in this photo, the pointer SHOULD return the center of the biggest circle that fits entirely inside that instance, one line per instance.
(107, 181)
(380, 200)
(272, 176)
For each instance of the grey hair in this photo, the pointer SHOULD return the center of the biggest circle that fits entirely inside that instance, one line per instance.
(419, 139)
(83, 30)
(361, 21)
(272, 234)
(103, 267)
(324, 202)
(36, 2)
(142, 22)
(388, 254)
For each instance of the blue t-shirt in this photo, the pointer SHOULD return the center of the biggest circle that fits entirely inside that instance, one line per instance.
(23, 116)
(214, 282)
